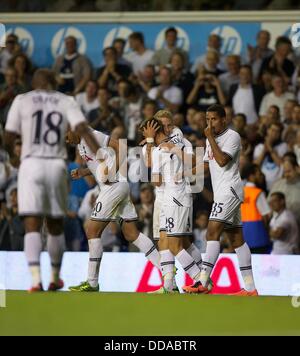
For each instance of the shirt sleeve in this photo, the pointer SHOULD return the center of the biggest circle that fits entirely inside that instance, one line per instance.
(263, 205)
(102, 139)
(13, 123)
(74, 114)
(232, 146)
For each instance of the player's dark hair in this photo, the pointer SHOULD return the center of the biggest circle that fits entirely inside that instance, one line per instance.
(279, 195)
(153, 120)
(43, 78)
(137, 36)
(219, 109)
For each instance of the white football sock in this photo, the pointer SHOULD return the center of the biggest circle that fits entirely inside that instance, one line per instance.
(96, 253)
(189, 265)
(196, 254)
(145, 245)
(33, 249)
(167, 263)
(245, 263)
(56, 247)
(209, 261)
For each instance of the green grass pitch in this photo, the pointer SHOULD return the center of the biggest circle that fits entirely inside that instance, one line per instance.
(109, 314)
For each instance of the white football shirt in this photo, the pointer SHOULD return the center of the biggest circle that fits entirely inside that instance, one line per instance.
(42, 118)
(88, 156)
(226, 180)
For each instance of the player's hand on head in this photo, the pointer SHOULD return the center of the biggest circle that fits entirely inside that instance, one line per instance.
(151, 129)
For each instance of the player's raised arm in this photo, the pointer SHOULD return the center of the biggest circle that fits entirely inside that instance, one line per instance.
(221, 157)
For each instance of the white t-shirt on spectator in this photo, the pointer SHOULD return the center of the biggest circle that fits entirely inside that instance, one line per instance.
(269, 168)
(243, 103)
(287, 221)
(86, 106)
(139, 62)
(173, 94)
(271, 99)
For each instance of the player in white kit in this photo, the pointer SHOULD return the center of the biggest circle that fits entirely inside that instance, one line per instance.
(41, 118)
(160, 233)
(113, 205)
(222, 158)
(175, 220)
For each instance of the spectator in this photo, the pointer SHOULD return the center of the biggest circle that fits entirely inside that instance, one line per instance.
(297, 147)
(289, 185)
(8, 91)
(272, 117)
(231, 77)
(73, 70)
(246, 97)
(268, 155)
(284, 230)
(6, 54)
(206, 91)
(105, 118)
(288, 111)
(140, 55)
(163, 56)
(240, 124)
(256, 55)
(145, 209)
(23, 67)
(167, 95)
(181, 78)
(119, 45)
(214, 44)
(210, 64)
(279, 63)
(146, 80)
(133, 113)
(200, 231)
(11, 226)
(88, 101)
(112, 71)
(256, 212)
(279, 96)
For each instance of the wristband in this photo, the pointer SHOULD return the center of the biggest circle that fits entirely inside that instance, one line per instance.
(150, 140)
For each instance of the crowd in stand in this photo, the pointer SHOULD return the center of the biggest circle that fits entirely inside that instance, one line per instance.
(142, 5)
(261, 93)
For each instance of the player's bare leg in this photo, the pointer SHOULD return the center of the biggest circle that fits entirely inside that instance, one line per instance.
(33, 249)
(94, 232)
(142, 242)
(245, 262)
(56, 247)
